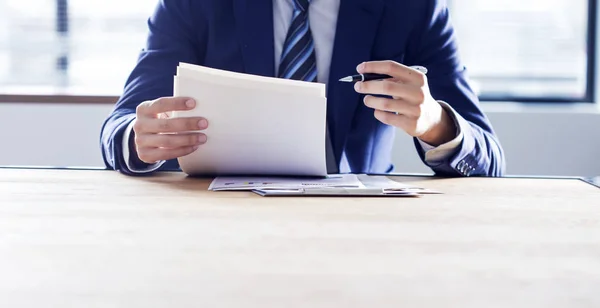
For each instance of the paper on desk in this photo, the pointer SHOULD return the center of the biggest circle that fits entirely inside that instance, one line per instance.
(335, 184)
(367, 186)
(257, 125)
(392, 187)
(251, 183)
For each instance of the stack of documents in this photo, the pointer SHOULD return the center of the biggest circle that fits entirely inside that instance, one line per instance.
(257, 125)
(332, 185)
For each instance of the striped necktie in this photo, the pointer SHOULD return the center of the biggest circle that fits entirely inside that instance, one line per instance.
(299, 62)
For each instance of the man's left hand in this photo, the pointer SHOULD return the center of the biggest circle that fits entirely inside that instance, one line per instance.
(411, 106)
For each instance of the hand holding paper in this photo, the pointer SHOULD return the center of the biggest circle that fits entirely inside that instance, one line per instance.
(158, 137)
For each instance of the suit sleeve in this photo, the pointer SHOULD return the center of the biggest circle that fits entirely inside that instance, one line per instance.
(174, 36)
(433, 45)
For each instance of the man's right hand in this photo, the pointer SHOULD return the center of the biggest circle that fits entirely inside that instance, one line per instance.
(158, 137)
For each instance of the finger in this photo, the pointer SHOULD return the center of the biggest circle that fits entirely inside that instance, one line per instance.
(392, 105)
(406, 92)
(165, 104)
(173, 125)
(169, 141)
(153, 155)
(396, 70)
(397, 120)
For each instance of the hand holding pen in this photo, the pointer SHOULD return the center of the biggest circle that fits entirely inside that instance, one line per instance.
(411, 106)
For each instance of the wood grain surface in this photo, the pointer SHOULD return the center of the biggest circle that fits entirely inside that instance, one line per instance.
(101, 239)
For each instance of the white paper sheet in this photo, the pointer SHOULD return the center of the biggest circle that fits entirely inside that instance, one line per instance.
(257, 125)
(390, 186)
(240, 80)
(251, 183)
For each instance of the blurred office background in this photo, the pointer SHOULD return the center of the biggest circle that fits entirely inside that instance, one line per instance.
(533, 63)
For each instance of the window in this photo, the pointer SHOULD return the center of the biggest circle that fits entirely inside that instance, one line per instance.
(525, 50)
(77, 47)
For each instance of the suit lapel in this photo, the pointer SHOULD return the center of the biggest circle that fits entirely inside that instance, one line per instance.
(254, 22)
(357, 27)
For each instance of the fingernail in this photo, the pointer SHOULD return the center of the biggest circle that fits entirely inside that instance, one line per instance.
(203, 124)
(202, 138)
(196, 147)
(420, 69)
(360, 67)
(190, 103)
(357, 86)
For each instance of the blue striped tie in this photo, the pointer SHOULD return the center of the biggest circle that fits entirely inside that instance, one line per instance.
(298, 60)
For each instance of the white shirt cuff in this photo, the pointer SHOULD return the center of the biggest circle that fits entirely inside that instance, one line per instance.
(444, 151)
(126, 154)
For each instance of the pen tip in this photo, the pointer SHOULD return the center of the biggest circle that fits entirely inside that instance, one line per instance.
(346, 79)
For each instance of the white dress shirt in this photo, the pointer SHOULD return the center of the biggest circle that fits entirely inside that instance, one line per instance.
(323, 16)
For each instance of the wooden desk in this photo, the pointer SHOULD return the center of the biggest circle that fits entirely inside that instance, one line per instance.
(100, 239)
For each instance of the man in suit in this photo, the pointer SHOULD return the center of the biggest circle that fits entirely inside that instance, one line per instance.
(321, 41)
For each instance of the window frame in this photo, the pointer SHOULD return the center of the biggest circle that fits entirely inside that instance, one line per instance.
(57, 99)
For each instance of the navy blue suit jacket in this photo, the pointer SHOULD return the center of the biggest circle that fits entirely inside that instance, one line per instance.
(237, 35)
